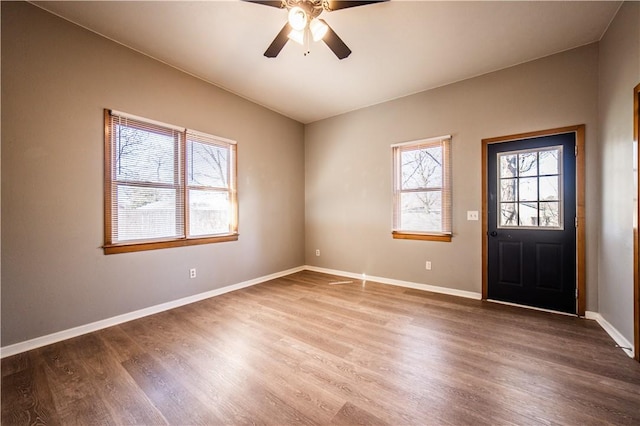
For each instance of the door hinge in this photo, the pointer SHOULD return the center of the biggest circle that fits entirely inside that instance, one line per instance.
(576, 221)
(576, 293)
(576, 150)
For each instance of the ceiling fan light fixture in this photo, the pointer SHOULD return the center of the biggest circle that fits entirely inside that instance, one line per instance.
(297, 36)
(297, 18)
(318, 29)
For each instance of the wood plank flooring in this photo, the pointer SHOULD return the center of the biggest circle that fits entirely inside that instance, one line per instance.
(299, 350)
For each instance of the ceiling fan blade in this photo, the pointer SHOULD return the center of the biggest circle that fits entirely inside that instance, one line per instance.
(335, 43)
(343, 4)
(278, 43)
(274, 3)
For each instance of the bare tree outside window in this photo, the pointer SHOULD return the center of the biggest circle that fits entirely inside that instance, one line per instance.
(208, 186)
(167, 184)
(421, 188)
(145, 166)
(422, 175)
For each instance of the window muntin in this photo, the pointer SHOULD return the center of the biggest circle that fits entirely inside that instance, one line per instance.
(166, 186)
(422, 189)
(530, 189)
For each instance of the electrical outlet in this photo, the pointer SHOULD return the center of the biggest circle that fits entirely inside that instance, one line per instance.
(192, 273)
(427, 265)
(472, 215)
(317, 252)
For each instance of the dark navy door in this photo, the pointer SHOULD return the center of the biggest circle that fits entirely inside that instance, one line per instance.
(531, 222)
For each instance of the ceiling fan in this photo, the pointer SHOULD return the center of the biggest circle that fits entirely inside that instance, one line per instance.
(304, 25)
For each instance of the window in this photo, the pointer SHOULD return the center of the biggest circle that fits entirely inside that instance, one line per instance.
(166, 186)
(529, 188)
(422, 189)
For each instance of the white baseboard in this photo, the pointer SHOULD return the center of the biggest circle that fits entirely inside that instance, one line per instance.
(620, 340)
(38, 342)
(400, 283)
(99, 325)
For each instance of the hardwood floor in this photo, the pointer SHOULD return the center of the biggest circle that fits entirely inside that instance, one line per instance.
(299, 350)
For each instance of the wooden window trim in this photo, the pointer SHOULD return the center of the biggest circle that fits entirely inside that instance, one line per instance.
(114, 248)
(184, 242)
(399, 235)
(636, 215)
(445, 190)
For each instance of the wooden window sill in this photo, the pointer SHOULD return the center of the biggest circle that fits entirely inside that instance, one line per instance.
(125, 248)
(397, 235)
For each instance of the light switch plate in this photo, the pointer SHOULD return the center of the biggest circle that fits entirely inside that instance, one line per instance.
(472, 215)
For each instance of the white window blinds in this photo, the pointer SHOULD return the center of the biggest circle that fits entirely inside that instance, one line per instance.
(422, 186)
(166, 183)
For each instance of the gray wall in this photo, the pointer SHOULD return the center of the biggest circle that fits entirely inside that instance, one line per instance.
(619, 74)
(56, 80)
(328, 182)
(348, 188)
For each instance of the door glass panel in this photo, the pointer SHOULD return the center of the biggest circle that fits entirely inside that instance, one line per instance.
(549, 162)
(508, 190)
(528, 164)
(530, 188)
(549, 188)
(528, 214)
(508, 165)
(508, 214)
(549, 214)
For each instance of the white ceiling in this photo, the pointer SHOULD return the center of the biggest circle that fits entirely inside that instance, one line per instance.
(399, 47)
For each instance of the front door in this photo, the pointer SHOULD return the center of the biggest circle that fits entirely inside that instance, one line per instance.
(531, 222)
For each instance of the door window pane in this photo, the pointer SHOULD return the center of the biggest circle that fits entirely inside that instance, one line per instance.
(508, 214)
(508, 190)
(528, 189)
(509, 165)
(528, 164)
(549, 188)
(528, 214)
(549, 162)
(550, 214)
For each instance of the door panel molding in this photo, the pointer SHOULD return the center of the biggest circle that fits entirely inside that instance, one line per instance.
(579, 131)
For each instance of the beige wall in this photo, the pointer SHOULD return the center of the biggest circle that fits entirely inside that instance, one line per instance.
(348, 168)
(619, 74)
(56, 80)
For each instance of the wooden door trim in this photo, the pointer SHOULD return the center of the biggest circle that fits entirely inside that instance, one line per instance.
(580, 207)
(636, 216)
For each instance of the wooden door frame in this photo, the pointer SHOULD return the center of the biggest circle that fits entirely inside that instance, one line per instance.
(636, 215)
(579, 131)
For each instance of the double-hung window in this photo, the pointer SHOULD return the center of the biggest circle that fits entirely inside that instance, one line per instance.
(166, 186)
(422, 189)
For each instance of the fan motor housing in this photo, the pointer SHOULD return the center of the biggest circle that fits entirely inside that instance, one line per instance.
(313, 7)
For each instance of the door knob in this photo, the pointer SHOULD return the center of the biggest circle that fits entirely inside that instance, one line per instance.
(493, 233)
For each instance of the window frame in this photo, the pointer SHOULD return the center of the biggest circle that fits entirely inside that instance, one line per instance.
(111, 247)
(538, 201)
(445, 189)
